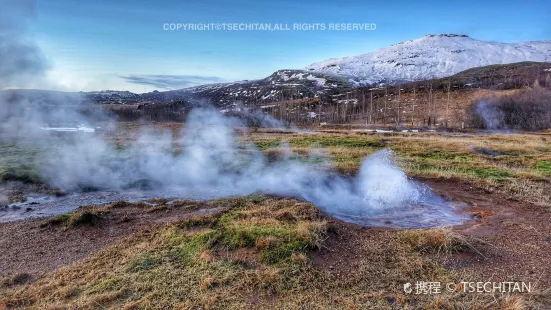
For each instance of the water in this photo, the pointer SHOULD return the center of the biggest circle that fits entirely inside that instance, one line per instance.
(212, 164)
(40, 206)
(430, 211)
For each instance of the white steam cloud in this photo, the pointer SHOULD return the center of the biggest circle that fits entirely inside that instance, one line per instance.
(212, 163)
(21, 59)
(492, 117)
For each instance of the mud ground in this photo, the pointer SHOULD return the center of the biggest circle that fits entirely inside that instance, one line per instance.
(512, 240)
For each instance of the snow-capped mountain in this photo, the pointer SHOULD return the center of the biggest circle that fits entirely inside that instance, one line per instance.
(432, 56)
(280, 86)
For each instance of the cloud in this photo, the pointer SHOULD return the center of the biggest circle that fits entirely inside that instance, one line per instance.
(171, 81)
(21, 59)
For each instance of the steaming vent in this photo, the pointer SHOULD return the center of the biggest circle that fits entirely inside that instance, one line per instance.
(382, 195)
(211, 163)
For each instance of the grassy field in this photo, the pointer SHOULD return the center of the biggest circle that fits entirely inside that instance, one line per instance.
(271, 252)
(517, 164)
(258, 253)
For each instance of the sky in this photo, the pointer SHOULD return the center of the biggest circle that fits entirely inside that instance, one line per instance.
(122, 44)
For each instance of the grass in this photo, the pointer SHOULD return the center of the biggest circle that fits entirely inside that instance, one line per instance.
(544, 167)
(87, 216)
(438, 240)
(22, 173)
(18, 162)
(14, 154)
(491, 173)
(520, 158)
(255, 254)
(259, 243)
(261, 251)
(335, 141)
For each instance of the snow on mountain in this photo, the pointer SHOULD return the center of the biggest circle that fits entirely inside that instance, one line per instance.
(281, 85)
(432, 56)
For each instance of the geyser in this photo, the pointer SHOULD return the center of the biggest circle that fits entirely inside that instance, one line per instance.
(212, 164)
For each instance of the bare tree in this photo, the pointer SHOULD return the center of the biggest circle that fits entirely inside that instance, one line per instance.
(384, 110)
(430, 103)
(448, 103)
(370, 106)
(398, 110)
(413, 103)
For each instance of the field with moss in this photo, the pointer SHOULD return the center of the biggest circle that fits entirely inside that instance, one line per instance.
(515, 164)
(269, 252)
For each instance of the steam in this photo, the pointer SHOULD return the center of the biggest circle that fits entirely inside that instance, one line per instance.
(385, 185)
(211, 163)
(253, 117)
(20, 58)
(266, 120)
(3, 200)
(493, 118)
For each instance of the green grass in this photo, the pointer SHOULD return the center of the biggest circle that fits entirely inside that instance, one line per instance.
(194, 260)
(85, 217)
(18, 162)
(335, 141)
(524, 158)
(265, 145)
(437, 155)
(274, 240)
(14, 154)
(491, 173)
(22, 173)
(544, 167)
(141, 263)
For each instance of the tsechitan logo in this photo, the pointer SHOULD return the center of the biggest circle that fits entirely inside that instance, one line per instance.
(496, 287)
(432, 288)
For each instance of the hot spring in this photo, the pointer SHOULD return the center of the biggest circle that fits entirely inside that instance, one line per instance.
(212, 164)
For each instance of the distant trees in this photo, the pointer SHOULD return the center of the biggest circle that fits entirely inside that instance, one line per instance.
(527, 109)
(431, 103)
(162, 112)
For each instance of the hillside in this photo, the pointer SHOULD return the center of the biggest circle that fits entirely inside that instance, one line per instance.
(432, 56)
(305, 98)
(279, 86)
(429, 103)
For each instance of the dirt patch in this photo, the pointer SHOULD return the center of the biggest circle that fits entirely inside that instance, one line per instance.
(34, 247)
(517, 236)
(510, 240)
(349, 246)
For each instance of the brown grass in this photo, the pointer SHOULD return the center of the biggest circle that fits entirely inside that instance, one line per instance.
(255, 254)
(437, 240)
(86, 216)
(521, 170)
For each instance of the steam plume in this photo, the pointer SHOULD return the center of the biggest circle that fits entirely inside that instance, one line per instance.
(211, 163)
(20, 57)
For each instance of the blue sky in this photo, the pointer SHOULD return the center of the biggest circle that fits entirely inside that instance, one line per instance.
(121, 44)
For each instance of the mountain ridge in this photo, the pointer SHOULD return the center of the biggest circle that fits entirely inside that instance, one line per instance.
(431, 56)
